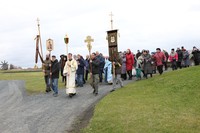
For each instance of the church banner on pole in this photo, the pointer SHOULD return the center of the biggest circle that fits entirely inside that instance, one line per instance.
(112, 44)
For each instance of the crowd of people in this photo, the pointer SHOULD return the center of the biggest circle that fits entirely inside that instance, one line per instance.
(96, 68)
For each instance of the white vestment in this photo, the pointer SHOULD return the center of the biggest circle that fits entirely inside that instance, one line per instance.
(70, 69)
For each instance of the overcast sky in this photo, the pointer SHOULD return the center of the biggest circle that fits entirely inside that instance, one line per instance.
(142, 24)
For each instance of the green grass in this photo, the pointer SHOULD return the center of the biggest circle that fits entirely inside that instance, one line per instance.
(169, 103)
(34, 80)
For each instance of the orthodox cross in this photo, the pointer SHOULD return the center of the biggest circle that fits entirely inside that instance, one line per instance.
(88, 40)
(111, 15)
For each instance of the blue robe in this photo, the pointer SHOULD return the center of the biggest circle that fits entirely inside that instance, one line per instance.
(108, 71)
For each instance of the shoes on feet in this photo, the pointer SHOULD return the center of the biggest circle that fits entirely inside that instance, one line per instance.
(112, 90)
(55, 94)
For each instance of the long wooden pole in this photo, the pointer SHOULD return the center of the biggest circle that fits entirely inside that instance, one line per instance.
(40, 37)
(66, 39)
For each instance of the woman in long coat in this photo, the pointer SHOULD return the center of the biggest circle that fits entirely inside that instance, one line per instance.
(159, 57)
(146, 65)
(186, 59)
(129, 63)
(108, 71)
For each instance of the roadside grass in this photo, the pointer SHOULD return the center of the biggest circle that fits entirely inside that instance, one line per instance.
(34, 80)
(167, 103)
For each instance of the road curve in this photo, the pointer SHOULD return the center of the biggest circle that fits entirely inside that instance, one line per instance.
(42, 113)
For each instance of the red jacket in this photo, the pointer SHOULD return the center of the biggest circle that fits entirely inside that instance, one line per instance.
(129, 61)
(159, 58)
(173, 57)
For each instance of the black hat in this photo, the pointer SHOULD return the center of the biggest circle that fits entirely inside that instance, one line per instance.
(158, 49)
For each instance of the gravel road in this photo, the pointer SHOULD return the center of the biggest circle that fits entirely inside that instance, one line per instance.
(43, 113)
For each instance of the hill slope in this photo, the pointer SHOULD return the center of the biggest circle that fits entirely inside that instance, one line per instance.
(164, 103)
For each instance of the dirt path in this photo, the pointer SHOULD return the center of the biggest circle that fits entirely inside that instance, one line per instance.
(43, 113)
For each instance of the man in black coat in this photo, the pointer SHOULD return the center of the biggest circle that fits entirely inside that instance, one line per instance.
(196, 55)
(80, 71)
(180, 58)
(94, 73)
(101, 59)
(54, 75)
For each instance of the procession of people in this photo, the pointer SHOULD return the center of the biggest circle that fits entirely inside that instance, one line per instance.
(96, 68)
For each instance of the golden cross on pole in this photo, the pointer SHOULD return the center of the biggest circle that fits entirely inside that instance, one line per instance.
(88, 40)
(111, 15)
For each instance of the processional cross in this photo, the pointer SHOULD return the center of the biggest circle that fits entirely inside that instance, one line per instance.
(111, 20)
(88, 40)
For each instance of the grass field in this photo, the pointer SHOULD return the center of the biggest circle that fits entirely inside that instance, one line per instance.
(34, 80)
(168, 103)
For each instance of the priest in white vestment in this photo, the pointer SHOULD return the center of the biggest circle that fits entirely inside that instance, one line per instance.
(70, 71)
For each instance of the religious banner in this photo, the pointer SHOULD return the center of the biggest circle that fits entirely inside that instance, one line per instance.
(49, 44)
(112, 44)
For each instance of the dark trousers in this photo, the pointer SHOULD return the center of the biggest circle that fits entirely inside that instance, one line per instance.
(129, 74)
(179, 64)
(86, 75)
(196, 62)
(95, 82)
(124, 76)
(47, 83)
(100, 75)
(80, 80)
(64, 79)
(174, 66)
(165, 64)
(160, 69)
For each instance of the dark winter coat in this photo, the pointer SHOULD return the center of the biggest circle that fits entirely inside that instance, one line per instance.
(94, 66)
(146, 64)
(118, 66)
(196, 55)
(101, 62)
(180, 55)
(81, 65)
(55, 69)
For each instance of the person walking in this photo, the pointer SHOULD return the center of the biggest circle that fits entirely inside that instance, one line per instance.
(55, 75)
(129, 63)
(117, 73)
(159, 59)
(180, 58)
(186, 58)
(196, 56)
(80, 71)
(123, 69)
(146, 64)
(108, 71)
(94, 73)
(46, 70)
(165, 62)
(101, 59)
(63, 59)
(173, 58)
(70, 70)
(138, 68)
(87, 60)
